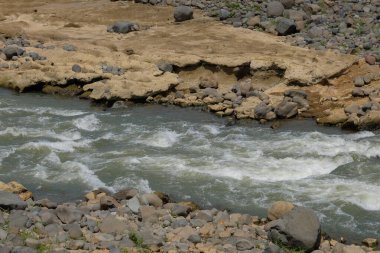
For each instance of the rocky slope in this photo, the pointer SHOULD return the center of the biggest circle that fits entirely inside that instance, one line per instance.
(52, 47)
(129, 221)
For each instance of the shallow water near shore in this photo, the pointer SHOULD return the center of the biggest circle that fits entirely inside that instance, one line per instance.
(61, 148)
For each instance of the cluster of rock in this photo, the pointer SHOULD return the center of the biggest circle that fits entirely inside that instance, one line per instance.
(14, 48)
(345, 26)
(241, 101)
(129, 221)
(362, 113)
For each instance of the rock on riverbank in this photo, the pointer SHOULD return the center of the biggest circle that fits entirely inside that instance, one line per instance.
(129, 221)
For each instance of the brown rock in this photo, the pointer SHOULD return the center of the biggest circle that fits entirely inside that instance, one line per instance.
(370, 121)
(370, 242)
(335, 117)
(370, 59)
(279, 209)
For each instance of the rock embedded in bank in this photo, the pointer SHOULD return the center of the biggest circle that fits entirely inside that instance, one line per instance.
(123, 27)
(183, 13)
(13, 51)
(286, 26)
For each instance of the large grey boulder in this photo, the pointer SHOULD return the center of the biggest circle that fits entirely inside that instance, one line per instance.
(11, 51)
(275, 9)
(123, 27)
(261, 110)
(286, 109)
(9, 201)
(183, 13)
(285, 27)
(299, 228)
(68, 214)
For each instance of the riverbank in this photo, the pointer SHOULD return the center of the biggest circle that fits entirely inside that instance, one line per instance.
(190, 63)
(129, 221)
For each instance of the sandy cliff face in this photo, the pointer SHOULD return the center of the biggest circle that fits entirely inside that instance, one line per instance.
(229, 60)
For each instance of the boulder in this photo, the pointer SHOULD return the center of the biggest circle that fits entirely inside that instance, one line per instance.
(76, 68)
(299, 228)
(68, 214)
(275, 9)
(112, 225)
(286, 109)
(151, 199)
(352, 249)
(359, 81)
(288, 3)
(123, 27)
(295, 93)
(9, 201)
(11, 51)
(285, 27)
(370, 242)
(125, 194)
(224, 14)
(183, 13)
(370, 121)
(279, 209)
(261, 110)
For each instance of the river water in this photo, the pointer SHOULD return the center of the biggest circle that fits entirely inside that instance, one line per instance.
(61, 148)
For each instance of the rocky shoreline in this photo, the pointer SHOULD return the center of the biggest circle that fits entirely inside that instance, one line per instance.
(264, 82)
(130, 221)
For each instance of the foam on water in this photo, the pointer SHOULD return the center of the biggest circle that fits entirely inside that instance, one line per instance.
(87, 123)
(161, 139)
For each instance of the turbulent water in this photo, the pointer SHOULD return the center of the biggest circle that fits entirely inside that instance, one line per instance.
(62, 147)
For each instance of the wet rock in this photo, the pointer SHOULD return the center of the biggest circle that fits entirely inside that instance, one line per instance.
(286, 26)
(183, 13)
(279, 209)
(13, 51)
(151, 199)
(125, 194)
(286, 109)
(275, 9)
(123, 27)
(9, 201)
(107, 202)
(299, 228)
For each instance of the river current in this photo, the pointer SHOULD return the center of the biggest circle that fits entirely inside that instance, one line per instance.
(60, 148)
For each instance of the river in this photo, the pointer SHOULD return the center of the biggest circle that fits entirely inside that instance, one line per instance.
(60, 148)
